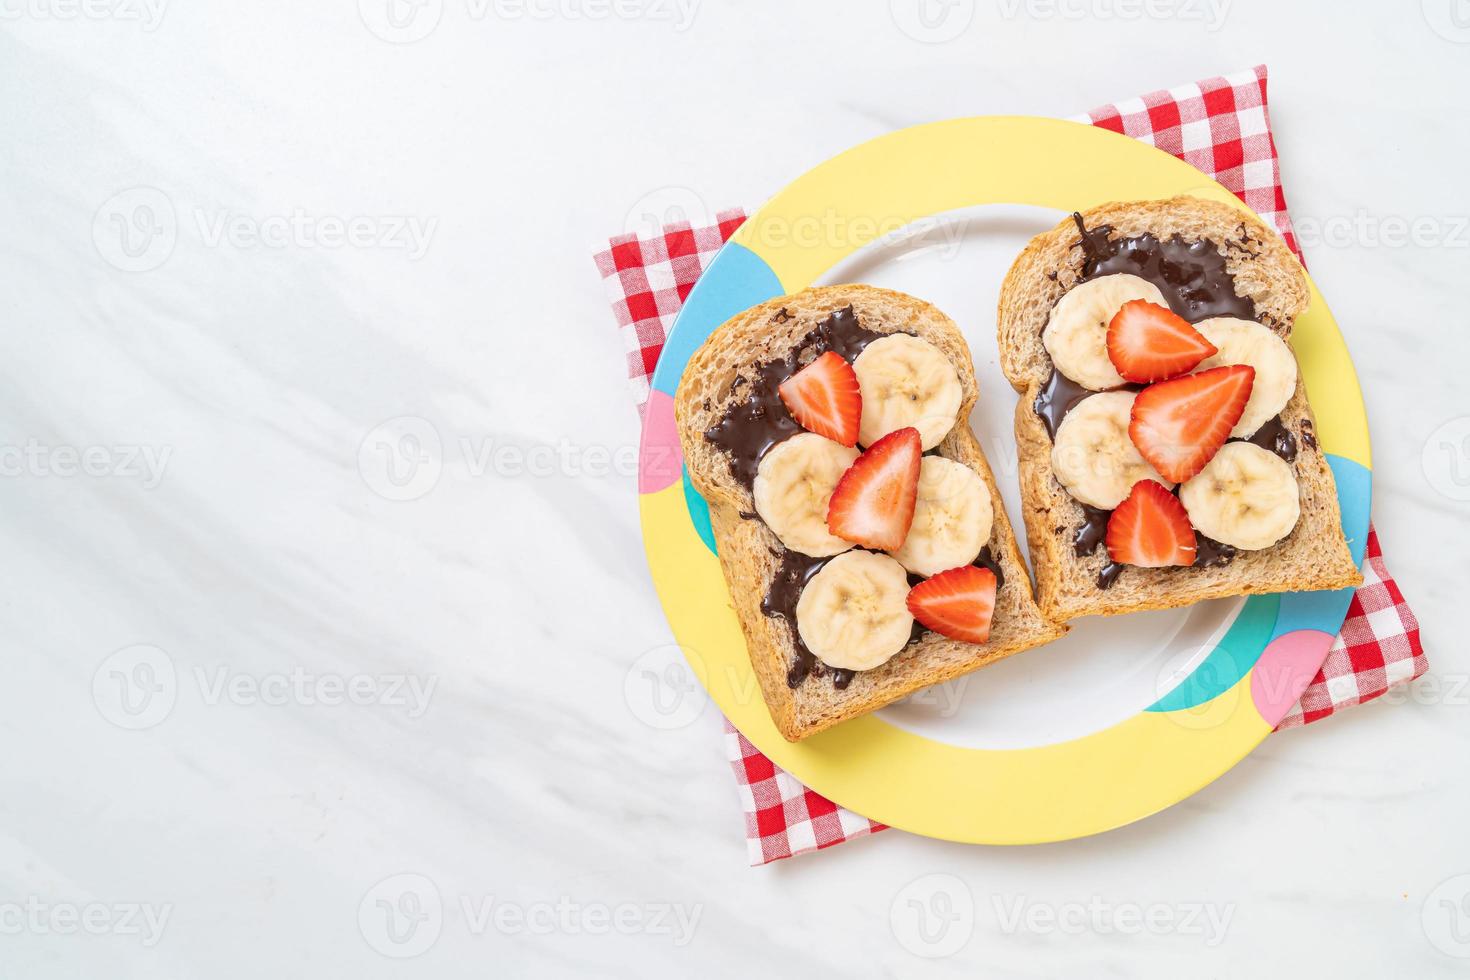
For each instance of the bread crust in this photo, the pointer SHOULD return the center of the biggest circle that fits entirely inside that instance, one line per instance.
(1313, 556)
(749, 551)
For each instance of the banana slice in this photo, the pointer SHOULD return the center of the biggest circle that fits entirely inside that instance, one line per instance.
(1245, 496)
(793, 486)
(1093, 457)
(1248, 342)
(906, 381)
(1076, 334)
(951, 520)
(854, 612)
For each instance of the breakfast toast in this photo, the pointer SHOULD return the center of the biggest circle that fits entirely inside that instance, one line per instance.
(854, 512)
(1167, 450)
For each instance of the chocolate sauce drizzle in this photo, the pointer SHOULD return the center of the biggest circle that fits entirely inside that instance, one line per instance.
(1209, 553)
(1193, 278)
(750, 427)
(1191, 275)
(1059, 396)
(1274, 437)
(1093, 531)
(792, 575)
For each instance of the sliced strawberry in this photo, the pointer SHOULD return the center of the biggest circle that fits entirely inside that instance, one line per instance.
(957, 603)
(1147, 342)
(1179, 425)
(824, 397)
(1150, 529)
(873, 503)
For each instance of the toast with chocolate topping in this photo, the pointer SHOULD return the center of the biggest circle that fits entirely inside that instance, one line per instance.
(1102, 323)
(740, 437)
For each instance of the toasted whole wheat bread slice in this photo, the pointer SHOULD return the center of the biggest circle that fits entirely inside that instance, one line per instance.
(1313, 556)
(750, 553)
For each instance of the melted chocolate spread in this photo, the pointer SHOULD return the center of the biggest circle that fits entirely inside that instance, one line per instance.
(750, 427)
(1274, 437)
(1059, 396)
(1193, 278)
(792, 575)
(1191, 275)
(1208, 552)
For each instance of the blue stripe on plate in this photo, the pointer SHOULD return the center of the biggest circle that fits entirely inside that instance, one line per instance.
(736, 280)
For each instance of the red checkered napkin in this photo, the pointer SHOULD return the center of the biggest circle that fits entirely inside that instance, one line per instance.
(1221, 126)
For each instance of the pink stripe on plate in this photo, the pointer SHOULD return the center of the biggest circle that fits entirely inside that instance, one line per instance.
(1286, 667)
(660, 460)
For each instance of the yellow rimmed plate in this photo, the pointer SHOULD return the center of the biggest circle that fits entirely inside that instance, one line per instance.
(1126, 715)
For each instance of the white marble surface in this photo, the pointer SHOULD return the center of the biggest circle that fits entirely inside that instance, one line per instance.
(224, 537)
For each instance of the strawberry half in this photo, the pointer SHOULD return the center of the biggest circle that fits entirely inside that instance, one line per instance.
(1147, 342)
(957, 603)
(1179, 425)
(1150, 529)
(825, 398)
(873, 504)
